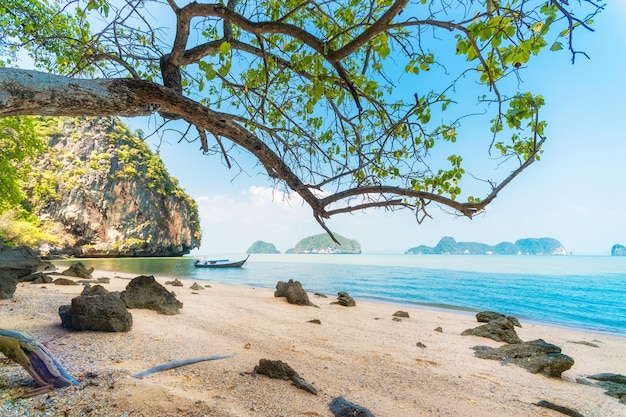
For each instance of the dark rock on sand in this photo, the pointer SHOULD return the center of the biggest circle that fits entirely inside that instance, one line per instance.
(535, 356)
(96, 290)
(18, 262)
(489, 316)
(78, 270)
(315, 321)
(145, 292)
(175, 283)
(561, 409)
(7, 288)
(614, 384)
(96, 309)
(195, 286)
(293, 291)
(401, 313)
(41, 278)
(280, 370)
(15, 263)
(340, 407)
(439, 329)
(344, 299)
(64, 281)
(100, 280)
(500, 330)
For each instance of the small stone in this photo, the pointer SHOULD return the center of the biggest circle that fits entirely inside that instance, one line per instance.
(340, 407)
(420, 345)
(439, 329)
(195, 286)
(344, 299)
(401, 313)
(64, 281)
(78, 270)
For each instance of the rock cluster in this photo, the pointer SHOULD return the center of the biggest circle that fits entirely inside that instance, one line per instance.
(535, 356)
(100, 310)
(293, 291)
(614, 384)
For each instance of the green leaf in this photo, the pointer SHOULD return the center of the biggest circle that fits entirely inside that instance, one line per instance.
(225, 48)
(556, 46)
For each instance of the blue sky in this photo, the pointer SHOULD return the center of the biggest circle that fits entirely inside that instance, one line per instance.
(575, 194)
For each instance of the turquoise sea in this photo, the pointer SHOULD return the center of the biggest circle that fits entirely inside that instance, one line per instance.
(586, 292)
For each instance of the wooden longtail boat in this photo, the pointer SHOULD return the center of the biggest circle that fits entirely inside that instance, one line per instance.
(220, 263)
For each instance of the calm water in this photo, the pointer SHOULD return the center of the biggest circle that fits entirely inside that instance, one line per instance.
(587, 292)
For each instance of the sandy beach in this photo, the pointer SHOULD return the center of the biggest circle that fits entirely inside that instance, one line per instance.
(393, 368)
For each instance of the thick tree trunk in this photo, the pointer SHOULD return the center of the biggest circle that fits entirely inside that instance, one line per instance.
(24, 92)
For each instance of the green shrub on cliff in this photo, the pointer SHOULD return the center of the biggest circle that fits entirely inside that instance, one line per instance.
(18, 142)
(18, 227)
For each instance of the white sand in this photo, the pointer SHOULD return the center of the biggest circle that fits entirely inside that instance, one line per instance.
(357, 352)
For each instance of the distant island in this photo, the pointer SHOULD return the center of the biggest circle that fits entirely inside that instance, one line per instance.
(618, 250)
(528, 246)
(322, 243)
(262, 247)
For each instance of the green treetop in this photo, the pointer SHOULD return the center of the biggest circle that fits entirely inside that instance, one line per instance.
(349, 104)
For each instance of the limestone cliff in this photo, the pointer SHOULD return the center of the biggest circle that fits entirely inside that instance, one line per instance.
(105, 194)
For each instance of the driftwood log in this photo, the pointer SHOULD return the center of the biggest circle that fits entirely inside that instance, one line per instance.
(35, 358)
(177, 364)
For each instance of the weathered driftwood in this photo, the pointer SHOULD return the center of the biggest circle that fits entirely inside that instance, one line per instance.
(35, 358)
(177, 364)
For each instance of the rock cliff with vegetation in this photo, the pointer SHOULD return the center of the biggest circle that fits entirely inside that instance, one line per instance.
(262, 247)
(99, 191)
(528, 246)
(322, 243)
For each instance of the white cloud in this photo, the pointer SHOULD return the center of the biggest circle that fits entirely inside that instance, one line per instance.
(231, 223)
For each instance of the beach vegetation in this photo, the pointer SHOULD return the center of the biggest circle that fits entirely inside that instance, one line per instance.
(351, 105)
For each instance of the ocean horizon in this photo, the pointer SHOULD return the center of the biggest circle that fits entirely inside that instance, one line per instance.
(577, 291)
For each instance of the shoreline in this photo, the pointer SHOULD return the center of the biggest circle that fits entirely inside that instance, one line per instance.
(449, 289)
(359, 352)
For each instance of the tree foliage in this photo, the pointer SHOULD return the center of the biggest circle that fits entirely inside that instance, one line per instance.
(350, 104)
(18, 141)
